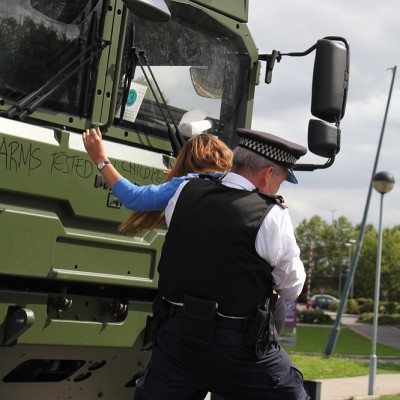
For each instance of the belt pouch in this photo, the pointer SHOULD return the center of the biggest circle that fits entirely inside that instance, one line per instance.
(268, 337)
(199, 321)
(256, 327)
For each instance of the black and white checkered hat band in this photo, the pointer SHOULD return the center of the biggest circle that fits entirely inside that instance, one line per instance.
(268, 151)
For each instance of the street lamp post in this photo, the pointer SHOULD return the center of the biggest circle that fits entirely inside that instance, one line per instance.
(310, 261)
(349, 244)
(341, 259)
(382, 182)
(341, 265)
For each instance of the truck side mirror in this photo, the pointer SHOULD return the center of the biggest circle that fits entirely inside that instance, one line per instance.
(329, 95)
(323, 138)
(330, 79)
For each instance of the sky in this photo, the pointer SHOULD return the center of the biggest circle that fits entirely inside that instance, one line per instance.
(372, 30)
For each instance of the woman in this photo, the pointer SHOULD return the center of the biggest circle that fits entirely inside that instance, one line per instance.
(203, 153)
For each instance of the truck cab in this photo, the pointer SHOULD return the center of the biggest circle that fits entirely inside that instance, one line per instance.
(75, 294)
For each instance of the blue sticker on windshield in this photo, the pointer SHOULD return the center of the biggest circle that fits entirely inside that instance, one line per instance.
(132, 96)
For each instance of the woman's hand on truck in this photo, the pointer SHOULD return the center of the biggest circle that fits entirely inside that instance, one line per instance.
(93, 142)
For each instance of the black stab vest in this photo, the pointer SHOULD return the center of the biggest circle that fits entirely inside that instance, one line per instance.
(209, 250)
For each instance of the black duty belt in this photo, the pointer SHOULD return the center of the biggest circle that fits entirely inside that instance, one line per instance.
(222, 322)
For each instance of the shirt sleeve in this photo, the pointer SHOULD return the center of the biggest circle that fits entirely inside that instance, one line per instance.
(148, 197)
(277, 245)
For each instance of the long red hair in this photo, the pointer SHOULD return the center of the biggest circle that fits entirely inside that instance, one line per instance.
(202, 153)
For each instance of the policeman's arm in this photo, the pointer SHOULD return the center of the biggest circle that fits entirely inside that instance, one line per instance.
(276, 243)
(94, 146)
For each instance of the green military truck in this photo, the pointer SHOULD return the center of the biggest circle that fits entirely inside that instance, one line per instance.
(74, 293)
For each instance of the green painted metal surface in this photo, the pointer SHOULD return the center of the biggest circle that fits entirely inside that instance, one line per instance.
(64, 268)
(237, 9)
(75, 294)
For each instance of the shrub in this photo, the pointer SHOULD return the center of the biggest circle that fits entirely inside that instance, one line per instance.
(392, 319)
(367, 306)
(366, 317)
(352, 307)
(390, 307)
(363, 300)
(333, 306)
(314, 317)
(383, 319)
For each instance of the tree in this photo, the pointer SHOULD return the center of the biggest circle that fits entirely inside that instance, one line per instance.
(364, 278)
(324, 245)
(390, 276)
(364, 283)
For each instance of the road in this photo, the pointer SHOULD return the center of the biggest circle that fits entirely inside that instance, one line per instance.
(386, 334)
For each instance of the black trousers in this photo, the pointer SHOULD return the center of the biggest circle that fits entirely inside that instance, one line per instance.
(229, 369)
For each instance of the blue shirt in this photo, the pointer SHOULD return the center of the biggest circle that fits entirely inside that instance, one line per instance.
(148, 197)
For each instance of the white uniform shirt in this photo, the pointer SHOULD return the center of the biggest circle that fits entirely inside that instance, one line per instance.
(275, 242)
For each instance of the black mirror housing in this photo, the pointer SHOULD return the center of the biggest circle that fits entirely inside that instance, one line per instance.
(323, 138)
(330, 80)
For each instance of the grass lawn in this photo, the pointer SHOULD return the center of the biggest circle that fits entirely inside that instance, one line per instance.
(308, 354)
(313, 339)
(319, 367)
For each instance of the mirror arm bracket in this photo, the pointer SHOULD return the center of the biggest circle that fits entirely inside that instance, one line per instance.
(277, 56)
(313, 167)
(270, 59)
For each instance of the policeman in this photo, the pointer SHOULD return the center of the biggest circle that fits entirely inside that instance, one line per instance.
(230, 243)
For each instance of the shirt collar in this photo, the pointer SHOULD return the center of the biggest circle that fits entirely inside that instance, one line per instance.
(237, 182)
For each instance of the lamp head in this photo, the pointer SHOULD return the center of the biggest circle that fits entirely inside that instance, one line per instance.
(383, 182)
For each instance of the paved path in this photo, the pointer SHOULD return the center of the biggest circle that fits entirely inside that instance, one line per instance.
(354, 388)
(357, 387)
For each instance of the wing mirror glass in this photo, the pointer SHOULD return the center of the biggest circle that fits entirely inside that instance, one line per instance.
(330, 81)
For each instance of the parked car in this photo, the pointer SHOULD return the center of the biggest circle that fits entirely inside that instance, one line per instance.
(322, 301)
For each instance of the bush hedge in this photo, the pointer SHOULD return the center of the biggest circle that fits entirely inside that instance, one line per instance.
(352, 307)
(383, 319)
(363, 305)
(314, 317)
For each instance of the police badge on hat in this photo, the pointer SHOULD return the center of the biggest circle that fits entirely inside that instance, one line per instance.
(274, 148)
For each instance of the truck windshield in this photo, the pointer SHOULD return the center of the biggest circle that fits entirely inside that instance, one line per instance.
(199, 66)
(37, 39)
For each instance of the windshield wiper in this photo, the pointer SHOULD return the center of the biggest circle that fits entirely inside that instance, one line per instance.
(89, 72)
(136, 56)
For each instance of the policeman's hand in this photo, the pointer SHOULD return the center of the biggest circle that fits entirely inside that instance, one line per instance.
(93, 143)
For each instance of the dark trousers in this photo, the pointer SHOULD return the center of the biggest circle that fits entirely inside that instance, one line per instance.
(228, 368)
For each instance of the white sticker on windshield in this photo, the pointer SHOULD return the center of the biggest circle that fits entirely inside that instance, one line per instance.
(134, 101)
